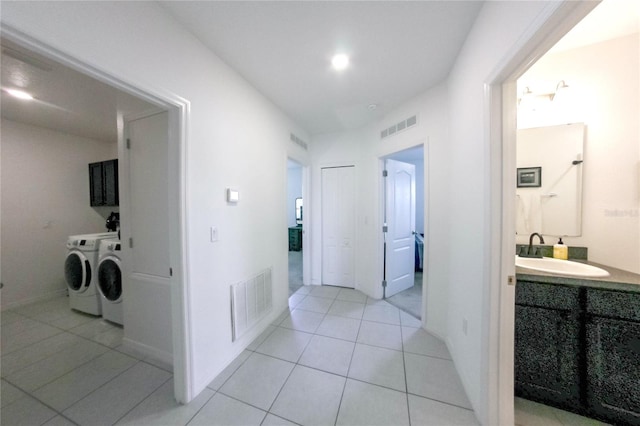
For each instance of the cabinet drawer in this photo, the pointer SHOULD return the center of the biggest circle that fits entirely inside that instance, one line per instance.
(614, 304)
(551, 296)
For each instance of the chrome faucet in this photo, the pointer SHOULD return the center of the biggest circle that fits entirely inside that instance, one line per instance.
(530, 251)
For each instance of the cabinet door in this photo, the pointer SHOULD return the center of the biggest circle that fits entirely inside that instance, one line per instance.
(613, 369)
(110, 179)
(96, 184)
(547, 355)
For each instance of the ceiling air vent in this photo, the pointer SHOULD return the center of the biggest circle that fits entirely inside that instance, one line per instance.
(299, 142)
(399, 127)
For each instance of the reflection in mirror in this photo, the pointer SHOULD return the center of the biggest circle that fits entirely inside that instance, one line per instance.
(299, 211)
(553, 205)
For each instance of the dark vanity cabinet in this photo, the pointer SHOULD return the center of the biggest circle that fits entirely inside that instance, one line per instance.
(547, 344)
(103, 183)
(578, 348)
(613, 355)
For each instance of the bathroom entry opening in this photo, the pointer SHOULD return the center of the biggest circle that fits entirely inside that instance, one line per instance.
(403, 193)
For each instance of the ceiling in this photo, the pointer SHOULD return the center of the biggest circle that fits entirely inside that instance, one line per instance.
(283, 49)
(64, 99)
(396, 50)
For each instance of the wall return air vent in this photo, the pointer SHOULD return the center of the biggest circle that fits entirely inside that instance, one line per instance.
(399, 127)
(299, 142)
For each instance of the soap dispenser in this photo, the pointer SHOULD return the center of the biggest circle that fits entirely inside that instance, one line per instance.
(560, 250)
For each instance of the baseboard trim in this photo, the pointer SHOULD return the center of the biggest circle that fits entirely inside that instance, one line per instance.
(41, 298)
(164, 358)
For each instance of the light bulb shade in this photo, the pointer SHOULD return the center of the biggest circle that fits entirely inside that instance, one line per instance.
(340, 62)
(20, 94)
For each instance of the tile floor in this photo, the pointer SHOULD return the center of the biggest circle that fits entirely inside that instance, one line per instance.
(410, 300)
(295, 271)
(335, 357)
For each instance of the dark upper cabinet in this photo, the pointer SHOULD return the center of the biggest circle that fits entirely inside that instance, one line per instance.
(103, 183)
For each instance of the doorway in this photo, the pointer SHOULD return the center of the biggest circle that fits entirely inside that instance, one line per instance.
(404, 240)
(295, 219)
(174, 188)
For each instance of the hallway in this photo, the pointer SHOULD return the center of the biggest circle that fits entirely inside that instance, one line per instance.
(334, 357)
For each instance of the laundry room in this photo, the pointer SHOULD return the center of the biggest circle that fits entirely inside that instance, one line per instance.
(60, 180)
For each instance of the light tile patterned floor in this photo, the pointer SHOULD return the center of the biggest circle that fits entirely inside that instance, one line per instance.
(335, 357)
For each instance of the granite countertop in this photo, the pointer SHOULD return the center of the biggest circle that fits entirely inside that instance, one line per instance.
(617, 280)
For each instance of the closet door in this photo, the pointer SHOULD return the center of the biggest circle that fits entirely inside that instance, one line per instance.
(338, 226)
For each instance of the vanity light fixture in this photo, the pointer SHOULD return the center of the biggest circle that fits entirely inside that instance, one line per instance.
(20, 94)
(340, 62)
(561, 86)
(528, 95)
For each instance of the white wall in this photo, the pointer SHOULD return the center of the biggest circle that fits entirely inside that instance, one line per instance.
(604, 93)
(45, 198)
(140, 43)
(294, 190)
(499, 27)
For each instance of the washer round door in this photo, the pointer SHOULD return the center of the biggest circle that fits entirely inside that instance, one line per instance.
(77, 271)
(110, 279)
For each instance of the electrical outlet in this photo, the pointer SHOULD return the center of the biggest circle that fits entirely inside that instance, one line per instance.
(464, 326)
(214, 234)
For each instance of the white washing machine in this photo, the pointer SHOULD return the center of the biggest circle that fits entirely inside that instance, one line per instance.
(80, 268)
(110, 280)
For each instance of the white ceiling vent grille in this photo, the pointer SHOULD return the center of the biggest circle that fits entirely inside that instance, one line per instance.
(399, 127)
(299, 141)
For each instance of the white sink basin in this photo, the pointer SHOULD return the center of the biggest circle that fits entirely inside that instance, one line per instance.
(563, 267)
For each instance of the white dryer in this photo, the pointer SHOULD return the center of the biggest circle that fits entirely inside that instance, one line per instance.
(80, 268)
(110, 280)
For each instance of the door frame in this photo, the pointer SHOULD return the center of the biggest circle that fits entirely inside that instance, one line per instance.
(500, 103)
(179, 111)
(381, 210)
(306, 221)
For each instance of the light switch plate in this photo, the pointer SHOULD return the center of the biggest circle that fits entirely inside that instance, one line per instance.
(233, 196)
(214, 234)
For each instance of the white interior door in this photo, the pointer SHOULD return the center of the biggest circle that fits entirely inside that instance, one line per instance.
(145, 234)
(338, 226)
(148, 160)
(400, 213)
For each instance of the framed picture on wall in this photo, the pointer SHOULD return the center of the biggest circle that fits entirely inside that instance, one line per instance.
(529, 177)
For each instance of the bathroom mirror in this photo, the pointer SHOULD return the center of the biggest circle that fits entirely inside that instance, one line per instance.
(298, 211)
(554, 205)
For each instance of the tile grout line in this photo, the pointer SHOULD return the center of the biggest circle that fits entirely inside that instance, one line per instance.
(404, 368)
(101, 386)
(28, 394)
(295, 363)
(348, 370)
(143, 399)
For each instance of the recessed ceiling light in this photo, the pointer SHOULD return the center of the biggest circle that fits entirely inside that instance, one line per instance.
(19, 94)
(372, 107)
(340, 62)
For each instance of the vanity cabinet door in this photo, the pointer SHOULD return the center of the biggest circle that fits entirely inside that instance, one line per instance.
(613, 369)
(547, 355)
